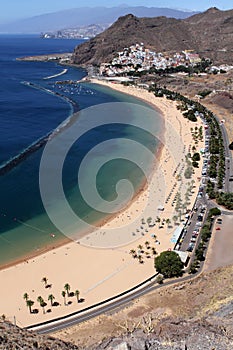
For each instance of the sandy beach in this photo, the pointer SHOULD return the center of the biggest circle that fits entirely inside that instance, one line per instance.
(100, 265)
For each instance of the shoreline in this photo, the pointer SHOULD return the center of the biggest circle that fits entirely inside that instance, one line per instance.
(101, 273)
(34, 254)
(103, 221)
(62, 242)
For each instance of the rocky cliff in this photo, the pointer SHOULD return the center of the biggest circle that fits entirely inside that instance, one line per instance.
(12, 338)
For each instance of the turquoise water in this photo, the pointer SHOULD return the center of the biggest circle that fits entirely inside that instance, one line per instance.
(31, 228)
(25, 227)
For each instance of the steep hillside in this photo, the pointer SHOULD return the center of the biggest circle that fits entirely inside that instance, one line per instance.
(153, 32)
(12, 338)
(210, 33)
(213, 33)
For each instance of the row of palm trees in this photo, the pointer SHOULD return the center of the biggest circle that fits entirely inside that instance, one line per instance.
(197, 134)
(148, 251)
(65, 293)
(216, 146)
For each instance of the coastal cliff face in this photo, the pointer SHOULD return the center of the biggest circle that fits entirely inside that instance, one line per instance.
(209, 33)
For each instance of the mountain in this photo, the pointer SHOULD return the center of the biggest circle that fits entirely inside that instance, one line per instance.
(209, 33)
(213, 33)
(84, 16)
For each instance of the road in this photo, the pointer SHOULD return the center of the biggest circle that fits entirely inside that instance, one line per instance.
(79, 317)
(229, 164)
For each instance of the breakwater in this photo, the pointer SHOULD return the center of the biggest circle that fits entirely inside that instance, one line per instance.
(13, 162)
(35, 146)
(74, 105)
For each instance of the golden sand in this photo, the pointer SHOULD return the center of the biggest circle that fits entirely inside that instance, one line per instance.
(100, 265)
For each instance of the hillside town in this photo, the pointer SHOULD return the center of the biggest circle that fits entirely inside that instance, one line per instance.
(82, 32)
(138, 58)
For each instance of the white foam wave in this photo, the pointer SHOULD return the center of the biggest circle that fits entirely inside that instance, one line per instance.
(56, 75)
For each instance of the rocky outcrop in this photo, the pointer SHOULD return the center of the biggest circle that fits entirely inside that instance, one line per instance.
(175, 335)
(12, 337)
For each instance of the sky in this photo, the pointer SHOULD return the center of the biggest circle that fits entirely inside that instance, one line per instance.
(16, 9)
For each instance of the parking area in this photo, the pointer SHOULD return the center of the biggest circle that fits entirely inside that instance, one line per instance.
(220, 252)
(191, 233)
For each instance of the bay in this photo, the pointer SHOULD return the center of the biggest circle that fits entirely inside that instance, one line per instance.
(27, 114)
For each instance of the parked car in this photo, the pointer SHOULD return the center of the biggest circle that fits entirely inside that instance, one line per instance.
(199, 223)
(190, 247)
(196, 229)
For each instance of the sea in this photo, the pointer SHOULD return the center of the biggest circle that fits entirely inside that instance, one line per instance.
(34, 100)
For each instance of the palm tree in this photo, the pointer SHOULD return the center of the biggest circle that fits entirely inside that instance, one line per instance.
(140, 259)
(45, 281)
(184, 207)
(63, 293)
(147, 244)
(175, 218)
(29, 305)
(77, 295)
(42, 303)
(153, 250)
(168, 222)
(133, 253)
(51, 297)
(67, 288)
(149, 221)
(26, 296)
